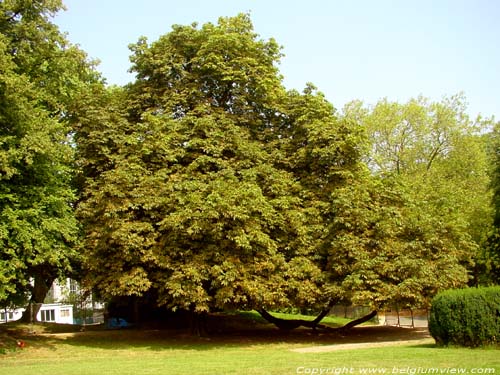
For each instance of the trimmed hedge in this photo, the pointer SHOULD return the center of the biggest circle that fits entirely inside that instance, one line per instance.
(467, 317)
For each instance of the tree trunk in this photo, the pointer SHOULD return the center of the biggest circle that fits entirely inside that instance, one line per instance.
(41, 286)
(198, 324)
(284, 324)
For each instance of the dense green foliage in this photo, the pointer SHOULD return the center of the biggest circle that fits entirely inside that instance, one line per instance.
(387, 249)
(403, 231)
(467, 317)
(495, 156)
(40, 74)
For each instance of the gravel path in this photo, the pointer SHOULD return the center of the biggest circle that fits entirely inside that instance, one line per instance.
(363, 345)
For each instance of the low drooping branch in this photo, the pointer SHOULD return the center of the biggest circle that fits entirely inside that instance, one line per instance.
(289, 324)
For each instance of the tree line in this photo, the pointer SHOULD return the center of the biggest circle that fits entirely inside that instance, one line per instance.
(206, 185)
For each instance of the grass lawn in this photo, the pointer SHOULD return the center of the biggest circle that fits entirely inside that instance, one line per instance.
(259, 350)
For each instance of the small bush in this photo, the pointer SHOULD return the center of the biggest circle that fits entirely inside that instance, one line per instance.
(467, 317)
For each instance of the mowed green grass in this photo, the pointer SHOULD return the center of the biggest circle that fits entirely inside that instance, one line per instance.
(260, 350)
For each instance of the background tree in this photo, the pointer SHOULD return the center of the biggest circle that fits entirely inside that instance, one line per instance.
(41, 73)
(438, 157)
(390, 248)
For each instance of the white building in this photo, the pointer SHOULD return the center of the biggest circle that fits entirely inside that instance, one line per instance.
(9, 315)
(49, 312)
(55, 313)
(57, 310)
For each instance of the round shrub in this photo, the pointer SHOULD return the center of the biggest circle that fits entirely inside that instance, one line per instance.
(467, 317)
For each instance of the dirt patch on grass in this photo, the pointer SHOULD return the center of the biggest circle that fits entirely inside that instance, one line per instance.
(364, 345)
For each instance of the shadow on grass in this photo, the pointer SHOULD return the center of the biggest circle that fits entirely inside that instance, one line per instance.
(163, 340)
(226, 331)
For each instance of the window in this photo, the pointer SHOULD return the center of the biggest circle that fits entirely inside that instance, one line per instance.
(73, 286)
(48, 315)
(6, 316)
(65, 313)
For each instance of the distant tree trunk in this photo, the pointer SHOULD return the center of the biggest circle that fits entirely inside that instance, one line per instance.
(359, 321)
(136, 315)
(41, 287)
(198, 324)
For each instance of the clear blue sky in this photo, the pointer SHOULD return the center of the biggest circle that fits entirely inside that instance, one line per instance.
(350, 49)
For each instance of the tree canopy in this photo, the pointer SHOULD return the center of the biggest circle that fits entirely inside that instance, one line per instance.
(202, 203)
(440, 154)
(40, 74)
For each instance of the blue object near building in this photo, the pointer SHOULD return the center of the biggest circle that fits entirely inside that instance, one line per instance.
(117, 323)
